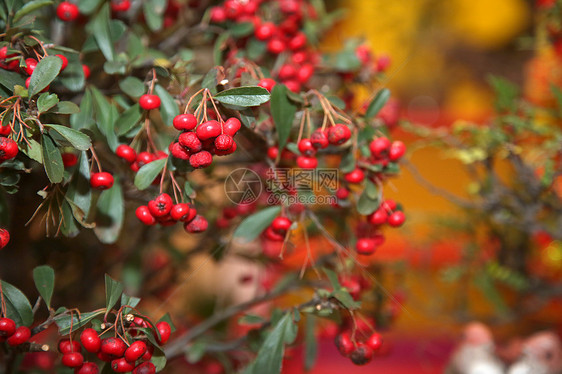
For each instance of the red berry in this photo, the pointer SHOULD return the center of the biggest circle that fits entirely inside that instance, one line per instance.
(104, 357)
(265, 31)
(69, 159)
(223, 142)
(293, 85)
(397, 150)
(196, 225)
(90, 340)
(208, 130)
(64, 61)
(66, 11)
(190, 141)
(164, 328)
(148, 354)
(180, 212)
(7, 327)
(281, 224)
(297, 42)
(27, 82)
(344, 344)
(5, 130)
(113, 347)
(353, 287)
(306, 148)
(276, 45)
(101, 181)
(178, 151)
(145, 368)
(383, 62)
(396, 219)
(273, 236)
(287, 72)
(365, 246)
(66, 346)
(273, 152)
(378, 217)
(305, 73)
(126, 153)
(87, 368)
(355, 176)
(86, 70)
(120, 365)
(379, 146)
(201, 159)
(21, 336)
(375, 341)
(8, 149)
(363, 53)
(144, 158)
(389, 205)
(299, 58)
(319, 139)
(267, 83)
(342, 193)
(339, 134)
(135, 351)
(144, 215)
(361, 355)
(149, 102)
(30, 65)
(304, 162)
(218, 14)
(4, 240)
(161, 205)
(184, 122)
(231, 126)
(120, 5)
(72, 360)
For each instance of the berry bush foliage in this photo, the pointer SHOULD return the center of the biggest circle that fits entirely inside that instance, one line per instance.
(110, 108)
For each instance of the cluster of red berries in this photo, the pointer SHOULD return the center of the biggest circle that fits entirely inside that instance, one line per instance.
(136, 161)
(278, 229)
(124, 357)
(163, 211)
(198, 143)
(365, 55)
(320, 139)
(355, 284)
(360, 353)
(12, 334)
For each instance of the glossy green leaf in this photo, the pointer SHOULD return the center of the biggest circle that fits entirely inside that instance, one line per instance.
(78, 139)
(169, 108)
(46, 101)
(113, 292)
(109, 214)
(65, 107)
(132, 86)
(79, 191)
(88, 6)
(367, 205)
(85, 118)
(10, 79)
(44, 278)
(101, 32)
(283, 113)
(73, 76)
(128, 119)
(52, 160)
(244, 96)
(45, 72)
(29, 8)
(378, 102)
(147, 173)
(252, 226)
(65, 322)
(18, 307)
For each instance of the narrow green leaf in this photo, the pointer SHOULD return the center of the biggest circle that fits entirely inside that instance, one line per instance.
(244, 96)
(196, 351)
(101, 32)
(153, 13)
(45, 72)
(310, 343)
(219, 47)
(79, 190)
(18, 307)
(128, 119)
(64, 322)
(132, 86)
(85, 118)
(169, 108)
(283, 113)
(65, 107)
(506, 93)
(378, 103)
(52, 160)
(113, 291)
(147, 173)
(109, 215)
(44, 278)
(130, 301)
(252, 226)
(46, 101)
(333, 278)
(30, 7)
(88, 6)
(78, 139)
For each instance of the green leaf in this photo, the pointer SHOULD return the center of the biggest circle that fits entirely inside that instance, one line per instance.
(113, 291)
(30, 7)
(196, 351)
(18, 307)
(130, 301)
(88, 6)
(10, 79)
(557, 92)
(105, 115)
(79, 190)
(128, 119)
(44, 278)
(169, 108)
(115, 67)
(34, 150)
(244, 96)
(85, 118)
(241, 29)
(252, 226)
(64, 322)
(310, 343)
(45, 72)
(367, 205)
(109, 215)
(46, 101)
(371, 190)
(69, 227)
(506, 93)
(78, 139)
(73, 76)
(65, 107)
(345, 298)
(251, 319)
(219, 47)
(347, 164)
(153, 13)
(101, 32)
(378, 103)
(147, 173)
(132, 86)
(283, 112)
(52, 160)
